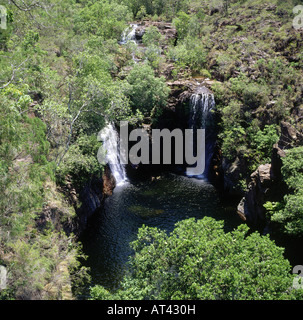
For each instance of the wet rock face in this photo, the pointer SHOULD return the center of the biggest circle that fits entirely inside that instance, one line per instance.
(109, 182)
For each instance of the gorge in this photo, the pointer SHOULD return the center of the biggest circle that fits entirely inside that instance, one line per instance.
(199, 196)
(163, 196)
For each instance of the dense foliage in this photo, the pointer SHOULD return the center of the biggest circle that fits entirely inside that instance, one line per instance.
(289, 212)
(198, 260)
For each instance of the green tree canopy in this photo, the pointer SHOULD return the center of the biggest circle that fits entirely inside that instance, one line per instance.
(146, 91)
(289, 213)
(198, 260)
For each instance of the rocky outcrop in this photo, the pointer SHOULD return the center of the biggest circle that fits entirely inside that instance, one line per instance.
(232, 175)
(290, 136)
(93, 195)
(84, 202)
(109, 182)
(167, 30)
(251, 207)
(91, 198)
(182, 90)
(266, 183)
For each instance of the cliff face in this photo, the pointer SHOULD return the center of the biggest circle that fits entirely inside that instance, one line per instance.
(89, 199)
(266, 183)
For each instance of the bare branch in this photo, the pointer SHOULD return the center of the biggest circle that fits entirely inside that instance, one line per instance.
(15, 69)
(71, 131)
(26, 7)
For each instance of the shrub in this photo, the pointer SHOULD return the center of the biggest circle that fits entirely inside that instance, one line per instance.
(263, 141)
(81, 161)
(146, 91)
(152, 36)
(289, 213)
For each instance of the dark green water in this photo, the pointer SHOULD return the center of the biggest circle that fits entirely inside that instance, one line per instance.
(161, 204)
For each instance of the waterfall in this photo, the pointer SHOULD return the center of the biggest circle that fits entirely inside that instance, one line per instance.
(110, 139)
(129, 34)
(200, 117)
(200, 106)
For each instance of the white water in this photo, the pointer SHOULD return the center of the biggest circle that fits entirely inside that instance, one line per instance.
(201, 105)
(110, 139)
(129, 34)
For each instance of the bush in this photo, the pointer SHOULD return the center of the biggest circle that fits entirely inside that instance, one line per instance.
(152, 36)
(292, 169)
(146, 91)
(190, 53)
(102, 18)
(234, 139)
(263, 141)
(251, 93)
(182, 24)
(153, 55)
(80, 162)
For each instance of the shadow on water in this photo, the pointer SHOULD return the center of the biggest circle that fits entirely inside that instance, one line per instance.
(160, 203)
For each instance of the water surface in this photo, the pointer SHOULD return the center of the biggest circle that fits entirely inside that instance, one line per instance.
(160, 203)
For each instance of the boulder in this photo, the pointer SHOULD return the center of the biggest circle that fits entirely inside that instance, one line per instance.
(276, 162)
(109, 182)
(165, 28)
(232, 174)
(290, 136)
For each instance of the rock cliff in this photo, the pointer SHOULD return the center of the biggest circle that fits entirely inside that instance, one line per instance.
(266, 183)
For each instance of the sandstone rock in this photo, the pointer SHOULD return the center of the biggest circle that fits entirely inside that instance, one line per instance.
(266, 184)
(86, 202)
(250, 208)
(276, 162)
(290, 136)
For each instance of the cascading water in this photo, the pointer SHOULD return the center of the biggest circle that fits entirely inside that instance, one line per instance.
(200, 117)
(129, 34)
(110, 139)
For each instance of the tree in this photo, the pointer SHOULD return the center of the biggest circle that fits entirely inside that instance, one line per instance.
(198, 260)
(152, 36)
(146, 91)
(289, 213)
(102, 18)
(181, 22)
